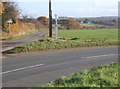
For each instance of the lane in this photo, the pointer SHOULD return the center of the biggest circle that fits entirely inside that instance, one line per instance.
(38, 65)
(55, 65)
(9, 44)
(53, 57)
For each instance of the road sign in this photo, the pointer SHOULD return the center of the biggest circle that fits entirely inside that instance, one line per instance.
(10, 21)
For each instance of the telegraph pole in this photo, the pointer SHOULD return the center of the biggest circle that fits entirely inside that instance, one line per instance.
(50, 19)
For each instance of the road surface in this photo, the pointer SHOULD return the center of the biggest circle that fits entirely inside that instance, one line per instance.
(9, 44)
(36, 69)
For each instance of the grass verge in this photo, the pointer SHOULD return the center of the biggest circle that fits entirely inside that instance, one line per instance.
(46, 44)
(82, 38)
(103, 76)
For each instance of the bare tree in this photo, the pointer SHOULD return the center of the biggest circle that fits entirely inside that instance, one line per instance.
(10, 12)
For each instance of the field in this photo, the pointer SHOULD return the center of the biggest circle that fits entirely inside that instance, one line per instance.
(70, 39)
(103, 76)
(90, 25)
(110, 34)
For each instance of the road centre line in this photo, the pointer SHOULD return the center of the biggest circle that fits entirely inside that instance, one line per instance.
(1, 57)
(15, 70)
(99, 56)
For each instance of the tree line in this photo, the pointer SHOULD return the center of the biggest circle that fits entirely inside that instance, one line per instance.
(10, 10)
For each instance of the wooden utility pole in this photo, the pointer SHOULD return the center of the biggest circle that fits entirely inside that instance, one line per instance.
(50, 19)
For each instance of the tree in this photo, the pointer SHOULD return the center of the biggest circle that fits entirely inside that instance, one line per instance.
(43, 20)
(10, 12)
(1, 10)
(86, 21)
(70, 24)
(114, 21)
(27, 19)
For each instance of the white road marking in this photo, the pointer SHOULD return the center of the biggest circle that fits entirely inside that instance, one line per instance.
(15, 70)
(99, 56)
(2, 57)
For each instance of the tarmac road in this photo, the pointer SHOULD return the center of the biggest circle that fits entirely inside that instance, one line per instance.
(9, 44)
(36, 69)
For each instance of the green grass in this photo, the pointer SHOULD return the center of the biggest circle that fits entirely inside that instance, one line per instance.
(85, 38)
(90, 34)
(90, 25)
(103, 76)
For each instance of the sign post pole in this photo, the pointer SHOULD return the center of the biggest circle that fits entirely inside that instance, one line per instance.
(56, 27)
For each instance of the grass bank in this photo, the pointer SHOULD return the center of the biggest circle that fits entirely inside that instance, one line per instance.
(23, 35)
(72, 38)
(103, 76)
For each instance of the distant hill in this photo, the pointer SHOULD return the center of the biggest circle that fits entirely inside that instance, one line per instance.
(105, 20)
(98, 18)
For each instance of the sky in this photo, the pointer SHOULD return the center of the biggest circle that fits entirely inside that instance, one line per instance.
(70, 8)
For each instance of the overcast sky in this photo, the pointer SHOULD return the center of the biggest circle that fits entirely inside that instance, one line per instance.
(70, 8)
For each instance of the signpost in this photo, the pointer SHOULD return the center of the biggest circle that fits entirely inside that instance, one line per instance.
(56, 27)
(50, 19)
(9, 22)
